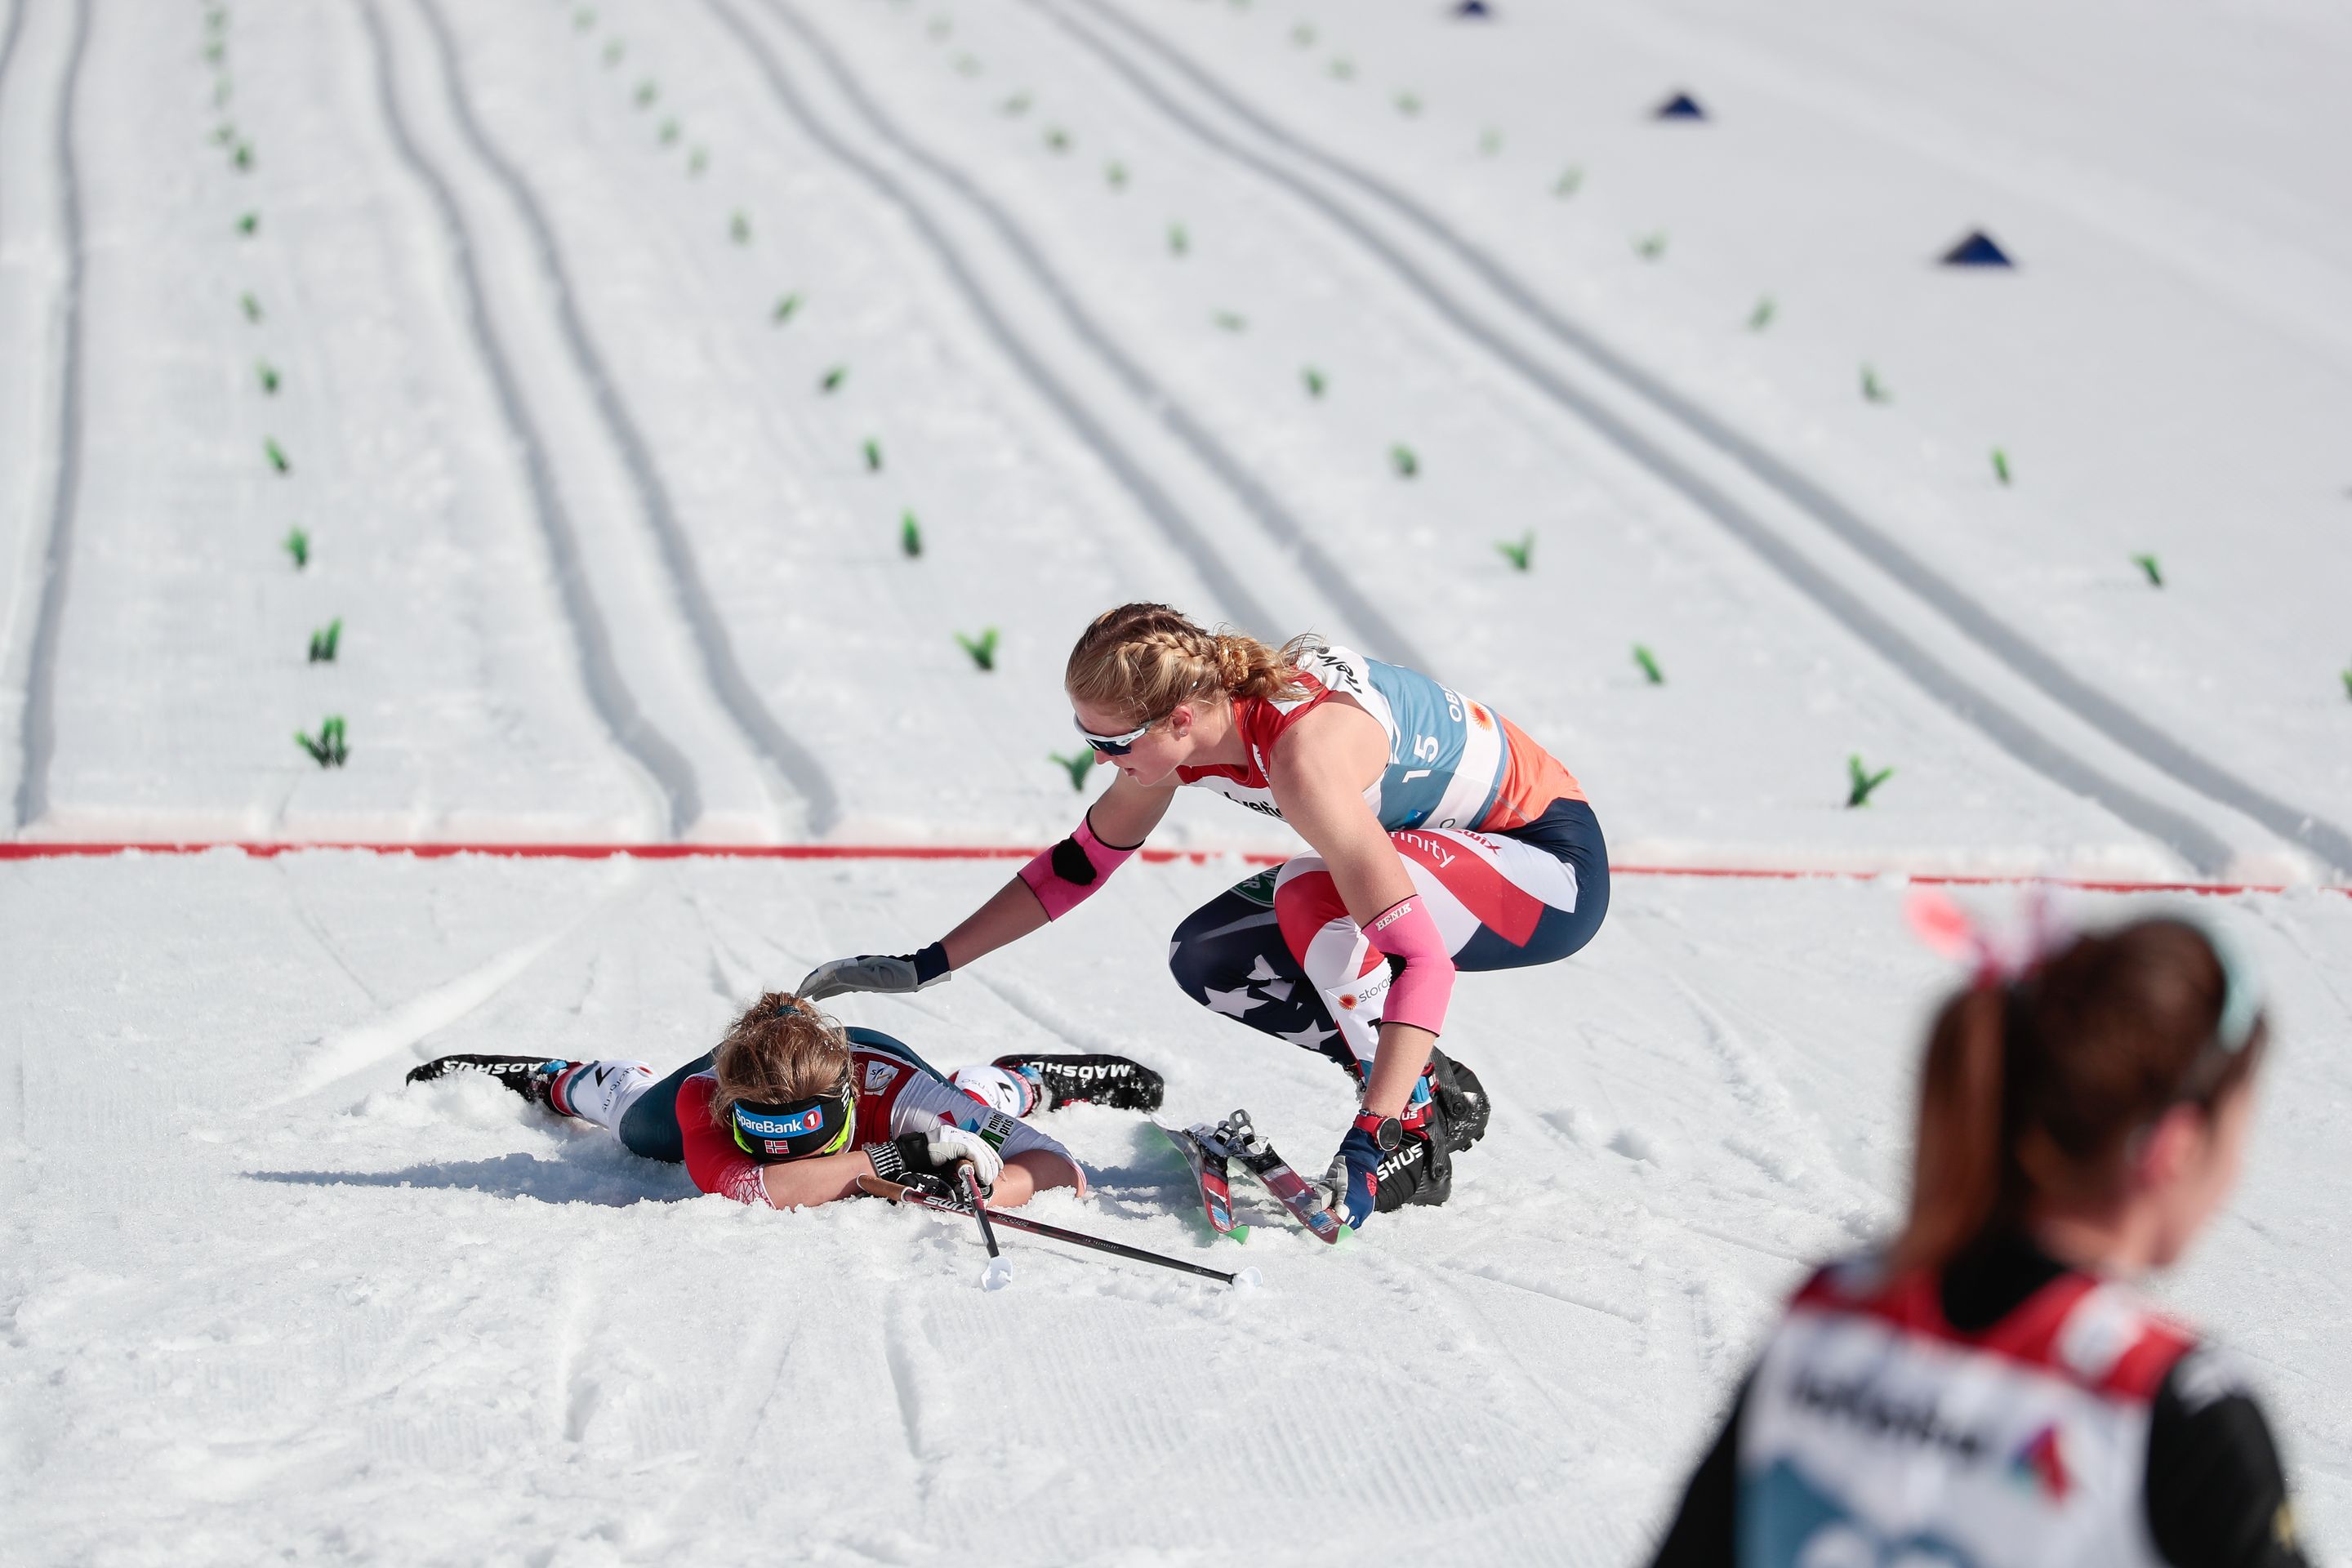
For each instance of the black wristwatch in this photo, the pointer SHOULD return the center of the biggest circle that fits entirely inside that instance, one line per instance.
(1387, 1130)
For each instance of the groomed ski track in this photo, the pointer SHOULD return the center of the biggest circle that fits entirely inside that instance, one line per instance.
(608, 689)
(38, 736)
(1150, 496)
(795, 766)
(1867, 616)
(1383, 639)
(2194, 841)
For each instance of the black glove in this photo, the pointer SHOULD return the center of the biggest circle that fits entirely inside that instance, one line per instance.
(930, 1160)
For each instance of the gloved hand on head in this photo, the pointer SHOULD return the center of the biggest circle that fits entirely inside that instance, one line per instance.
(889, 973)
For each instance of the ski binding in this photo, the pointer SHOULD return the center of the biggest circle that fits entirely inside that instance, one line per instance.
(1234, 1138)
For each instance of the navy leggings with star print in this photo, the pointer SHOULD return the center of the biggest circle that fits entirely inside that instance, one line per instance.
(1281, 954)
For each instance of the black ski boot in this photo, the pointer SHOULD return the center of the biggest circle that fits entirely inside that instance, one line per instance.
(1463, 1099)
(531, 1077)
(1115, 1081)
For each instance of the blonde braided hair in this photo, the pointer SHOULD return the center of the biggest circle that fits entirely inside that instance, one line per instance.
(1141, 660)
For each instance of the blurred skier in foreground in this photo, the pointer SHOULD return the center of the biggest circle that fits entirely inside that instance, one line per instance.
(1990, 1390)
(1441, 838)
(790, 1109)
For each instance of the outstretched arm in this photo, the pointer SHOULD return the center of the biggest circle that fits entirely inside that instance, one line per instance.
(803, 1183)
(1113, 828)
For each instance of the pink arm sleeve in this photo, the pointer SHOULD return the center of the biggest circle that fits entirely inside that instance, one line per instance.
(1418, 998)
(1064, 876)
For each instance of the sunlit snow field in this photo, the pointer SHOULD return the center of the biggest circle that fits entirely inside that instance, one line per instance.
(574, 322)
(263, 1299)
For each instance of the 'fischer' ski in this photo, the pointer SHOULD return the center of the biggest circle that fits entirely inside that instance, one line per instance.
(1242, 1142)
(1209, 1174)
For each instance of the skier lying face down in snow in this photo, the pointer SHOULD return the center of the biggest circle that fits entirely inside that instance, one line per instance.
(792, 1109)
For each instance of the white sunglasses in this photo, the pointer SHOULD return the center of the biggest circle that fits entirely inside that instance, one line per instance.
(1111, 745)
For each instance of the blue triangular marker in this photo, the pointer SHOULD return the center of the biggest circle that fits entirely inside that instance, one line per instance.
(1682, 106)
(1976, 250)
(1473, 8)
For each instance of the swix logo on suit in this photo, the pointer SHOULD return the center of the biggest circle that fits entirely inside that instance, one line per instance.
(1453, 763)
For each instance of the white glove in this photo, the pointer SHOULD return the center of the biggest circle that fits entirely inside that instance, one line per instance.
(873, 972)
(950, 1143)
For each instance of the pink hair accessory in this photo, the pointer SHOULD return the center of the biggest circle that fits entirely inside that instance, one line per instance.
(1997, 957)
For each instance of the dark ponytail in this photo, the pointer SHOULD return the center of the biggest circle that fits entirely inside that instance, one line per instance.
(1957, 1167)
(2033, 1088)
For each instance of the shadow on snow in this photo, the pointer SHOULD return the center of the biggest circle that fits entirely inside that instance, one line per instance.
(512, 1176)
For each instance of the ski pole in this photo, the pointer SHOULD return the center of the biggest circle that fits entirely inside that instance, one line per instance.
(998, 1274)
(880, 1188)
(970, 1180)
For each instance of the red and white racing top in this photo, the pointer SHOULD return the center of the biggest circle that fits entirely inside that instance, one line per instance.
(1453, 762)
(894, 1096)
(1875, 1431)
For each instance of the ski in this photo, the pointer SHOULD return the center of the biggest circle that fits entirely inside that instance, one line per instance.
(1115, 1081)
(1209, 1176)
(1306, 1203)
(878, 1187)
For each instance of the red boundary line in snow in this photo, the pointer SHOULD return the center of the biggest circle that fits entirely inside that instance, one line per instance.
(53, 849)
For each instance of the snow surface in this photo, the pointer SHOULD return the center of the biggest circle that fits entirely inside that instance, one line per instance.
(264, 1300)
(613, 568)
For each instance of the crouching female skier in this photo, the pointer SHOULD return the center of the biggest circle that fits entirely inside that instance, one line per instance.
(1991, 1390)
(792, 1109)
(1443, 838)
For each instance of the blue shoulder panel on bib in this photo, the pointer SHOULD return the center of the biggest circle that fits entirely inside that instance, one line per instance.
(1425, 747)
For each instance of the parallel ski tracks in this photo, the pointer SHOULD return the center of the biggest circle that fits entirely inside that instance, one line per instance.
(799, 767)
(2196, 843)
(9, 42)
(39, 733)
(1380, 635)
(608, 691)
